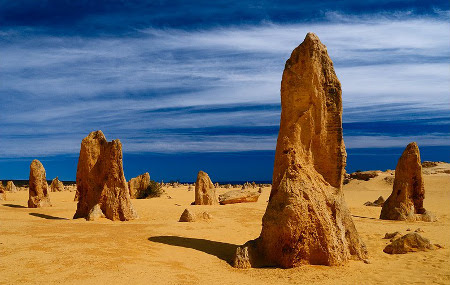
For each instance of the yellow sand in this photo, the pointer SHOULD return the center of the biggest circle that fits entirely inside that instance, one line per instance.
(46, 246)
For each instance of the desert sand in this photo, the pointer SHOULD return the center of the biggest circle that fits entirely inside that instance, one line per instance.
(46, 245)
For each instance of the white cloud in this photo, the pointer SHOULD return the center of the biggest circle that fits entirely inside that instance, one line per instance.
(67, 86)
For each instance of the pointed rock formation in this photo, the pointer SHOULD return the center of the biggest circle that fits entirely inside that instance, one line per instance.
(138, 184)
(11, 187)
(100, 180)
(406, 200)
(56, 185)
(307, 220)
(38, 191)
(205, 193)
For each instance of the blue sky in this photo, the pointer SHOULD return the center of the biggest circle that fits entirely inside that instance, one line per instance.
(190, 86)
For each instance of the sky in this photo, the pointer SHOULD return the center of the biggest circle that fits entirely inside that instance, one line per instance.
(195, 85)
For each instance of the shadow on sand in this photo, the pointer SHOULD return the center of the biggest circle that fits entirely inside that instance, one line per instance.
(222, 250)
(48, 217)
(14, 206)
(355, 216)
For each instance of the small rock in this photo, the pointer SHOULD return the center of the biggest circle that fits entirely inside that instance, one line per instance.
(411, 242)
(408, 229)
(366, 261)
(95, 213)
(187, 216)
(419, 230)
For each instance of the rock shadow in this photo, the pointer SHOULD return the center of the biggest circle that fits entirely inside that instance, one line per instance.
(362, 217)
(222, 250)
(14, 206)
(48, 217)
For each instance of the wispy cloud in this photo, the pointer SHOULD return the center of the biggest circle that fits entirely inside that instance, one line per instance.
(56, 89)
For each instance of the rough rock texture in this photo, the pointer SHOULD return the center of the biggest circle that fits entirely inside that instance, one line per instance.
(406, 200)
(100, 179)
(307, 220)
(239, 196)
(205, 194)
(364, 175)
(2, 192)
(377, 203)
(392, 236)
(95, 213)
(427, 164)
(187, 216)
(11, 187)
(411, 242)
(138, 184)
(38, 187)
(56, 186)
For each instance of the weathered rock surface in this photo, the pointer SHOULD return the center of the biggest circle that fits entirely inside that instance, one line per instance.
(307, 220)
(138, 184)
(100, 179)
(377, 203)
(56, 185)
(38, 187)
(189, 216)
(427, 164)
(392, 236)
(2, 192)
(239, 196)
(406, 201)
(411, 242)
(95, 213)
(11, 187)
(364, 175)
(205, 193)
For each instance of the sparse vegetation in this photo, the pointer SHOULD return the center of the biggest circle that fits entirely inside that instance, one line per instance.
(153, 190)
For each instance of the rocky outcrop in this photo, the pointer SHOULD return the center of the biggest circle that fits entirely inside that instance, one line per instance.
(364, 175)
(411, 242)
(189, 216)
(205, 193)
(101, 181)
(138, 184)
(239, 196)
(2, 192)
(11, 187)
(38, 187)
(56, 185)
(406, 201)
(307, 220)
(377, 203)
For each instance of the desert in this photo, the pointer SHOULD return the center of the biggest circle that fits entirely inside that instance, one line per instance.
(156, 248)
(186, 142)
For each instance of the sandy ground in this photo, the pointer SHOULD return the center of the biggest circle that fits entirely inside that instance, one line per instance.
(46, 246)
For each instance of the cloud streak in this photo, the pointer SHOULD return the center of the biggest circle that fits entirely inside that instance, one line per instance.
(146, 87)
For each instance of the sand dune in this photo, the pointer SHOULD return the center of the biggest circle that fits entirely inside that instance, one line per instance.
(47, 246)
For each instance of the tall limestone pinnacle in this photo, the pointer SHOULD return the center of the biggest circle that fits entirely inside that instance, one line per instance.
(307, 220)
(408, 193)
(101, 184)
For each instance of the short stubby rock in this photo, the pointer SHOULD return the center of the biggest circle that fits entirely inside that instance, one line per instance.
(38, 187)
(190, 216)
(406, 200)
(101, 181)
(56, 185)
(411, 242)
(2, 192)
(138, 184)
(11, 187)
(364, 175)
(377, 203)
(239, 196)
(205, 193)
